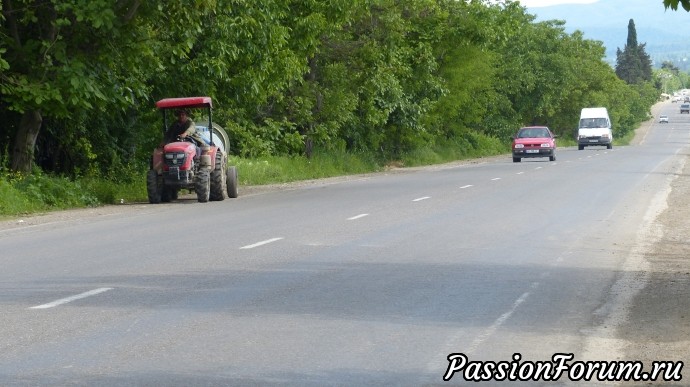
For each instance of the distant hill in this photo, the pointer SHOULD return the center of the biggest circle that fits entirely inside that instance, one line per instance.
(666, 33)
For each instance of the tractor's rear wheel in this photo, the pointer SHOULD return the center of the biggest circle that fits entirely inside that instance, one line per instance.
(218, 179)
(231, 181)
(202, 185)
(153, 187)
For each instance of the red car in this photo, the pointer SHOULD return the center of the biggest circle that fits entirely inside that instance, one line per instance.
(534, 141)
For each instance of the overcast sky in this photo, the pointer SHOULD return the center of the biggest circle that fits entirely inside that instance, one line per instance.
(545, 3)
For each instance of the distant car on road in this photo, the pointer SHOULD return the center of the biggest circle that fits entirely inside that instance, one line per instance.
(685, 108)
(534, 141)
(663, 119)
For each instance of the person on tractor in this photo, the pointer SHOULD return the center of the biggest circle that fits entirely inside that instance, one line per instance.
(183, 127)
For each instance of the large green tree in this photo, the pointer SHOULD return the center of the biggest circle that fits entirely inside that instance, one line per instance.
(65, 57)
(633, 64)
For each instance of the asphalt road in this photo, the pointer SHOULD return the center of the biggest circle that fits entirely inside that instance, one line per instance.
(372, 280)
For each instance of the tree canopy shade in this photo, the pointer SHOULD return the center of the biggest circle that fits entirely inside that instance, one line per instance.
(78, 79)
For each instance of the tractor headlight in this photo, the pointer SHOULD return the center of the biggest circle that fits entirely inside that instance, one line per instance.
(169, 156)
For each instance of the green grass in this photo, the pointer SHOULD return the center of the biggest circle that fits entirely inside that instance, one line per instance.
(15, 202)
(283, 169)
(469, 146)
(625, 139)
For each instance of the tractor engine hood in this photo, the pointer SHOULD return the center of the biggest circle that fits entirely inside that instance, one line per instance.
(178, 155)
(180, 146)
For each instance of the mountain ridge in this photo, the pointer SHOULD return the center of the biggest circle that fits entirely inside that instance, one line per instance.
(665, 33)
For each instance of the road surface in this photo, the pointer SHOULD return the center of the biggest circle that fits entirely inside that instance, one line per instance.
(367, 280)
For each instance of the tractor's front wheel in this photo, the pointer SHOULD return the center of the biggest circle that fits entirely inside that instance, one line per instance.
(202, 185)
(153, 187)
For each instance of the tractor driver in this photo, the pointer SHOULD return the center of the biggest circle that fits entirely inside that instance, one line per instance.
(183, 127)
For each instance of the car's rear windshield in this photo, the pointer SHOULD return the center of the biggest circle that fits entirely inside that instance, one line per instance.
(533, 133)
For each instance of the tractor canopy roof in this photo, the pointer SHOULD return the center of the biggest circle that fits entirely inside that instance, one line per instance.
(186, 102)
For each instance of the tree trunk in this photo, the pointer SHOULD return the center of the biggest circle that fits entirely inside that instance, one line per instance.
(25, 142)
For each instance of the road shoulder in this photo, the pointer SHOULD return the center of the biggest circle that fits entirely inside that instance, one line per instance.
(658, 323)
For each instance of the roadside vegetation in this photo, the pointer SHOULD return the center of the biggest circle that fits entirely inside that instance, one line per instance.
(304, 89)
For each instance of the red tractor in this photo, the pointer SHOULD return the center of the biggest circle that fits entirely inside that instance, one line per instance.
(188, 164)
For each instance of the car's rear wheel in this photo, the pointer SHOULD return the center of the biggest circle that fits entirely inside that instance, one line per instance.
(609, 146)
(516, 159)
(552, 157)
(580, 147)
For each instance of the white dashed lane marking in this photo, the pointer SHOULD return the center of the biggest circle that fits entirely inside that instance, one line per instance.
(72, 298)
(357, 216)
(257, 244)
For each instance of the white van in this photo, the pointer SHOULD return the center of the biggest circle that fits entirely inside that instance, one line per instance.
(594, 128)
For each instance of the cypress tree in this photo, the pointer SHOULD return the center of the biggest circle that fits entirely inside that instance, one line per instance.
(633, 64)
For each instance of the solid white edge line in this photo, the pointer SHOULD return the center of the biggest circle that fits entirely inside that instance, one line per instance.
(357, 216)
(422, 198)
(72, 298)
(257, 244)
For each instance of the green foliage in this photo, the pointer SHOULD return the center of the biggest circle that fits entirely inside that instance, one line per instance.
(406, 81)
(673, 4)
